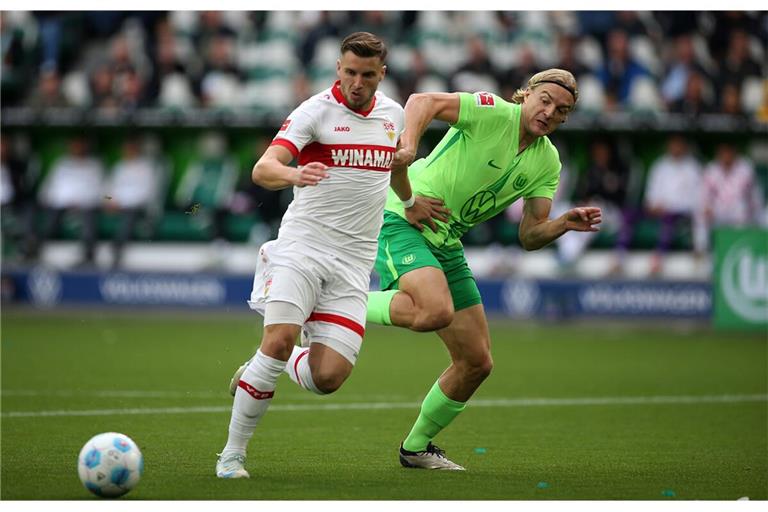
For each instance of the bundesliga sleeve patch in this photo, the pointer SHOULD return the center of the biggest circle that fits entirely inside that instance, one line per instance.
(285, 125)
(484, 99)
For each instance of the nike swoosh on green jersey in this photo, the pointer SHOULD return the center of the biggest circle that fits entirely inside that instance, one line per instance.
(490, 162)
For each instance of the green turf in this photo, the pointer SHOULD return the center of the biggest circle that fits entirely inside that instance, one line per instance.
(699, 451)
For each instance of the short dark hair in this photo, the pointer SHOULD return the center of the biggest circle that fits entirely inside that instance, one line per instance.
(364, 44)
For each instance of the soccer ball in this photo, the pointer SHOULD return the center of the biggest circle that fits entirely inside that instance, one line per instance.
(110, 464)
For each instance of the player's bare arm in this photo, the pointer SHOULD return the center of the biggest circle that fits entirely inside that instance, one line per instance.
(273, 172)
(420, 110)
(424, 209)
(538, 230)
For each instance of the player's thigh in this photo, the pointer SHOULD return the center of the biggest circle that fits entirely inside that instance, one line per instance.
(282, 325)
(338, 318)
(428, 288)
(405, 262)
(285, 273)
(461, 281)
(467, 338)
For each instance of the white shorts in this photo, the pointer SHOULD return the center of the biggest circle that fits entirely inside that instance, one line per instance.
(330, 294)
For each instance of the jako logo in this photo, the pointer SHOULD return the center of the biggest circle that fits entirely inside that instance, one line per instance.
(744, 281)
(342, 129)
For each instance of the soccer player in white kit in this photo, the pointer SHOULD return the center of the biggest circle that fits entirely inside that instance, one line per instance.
(316, 274)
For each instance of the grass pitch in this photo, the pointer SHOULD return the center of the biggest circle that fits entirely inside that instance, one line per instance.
(571, 411)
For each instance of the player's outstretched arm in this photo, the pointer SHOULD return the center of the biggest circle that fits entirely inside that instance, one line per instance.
(420, 110)
(273, 172)
(538, 230)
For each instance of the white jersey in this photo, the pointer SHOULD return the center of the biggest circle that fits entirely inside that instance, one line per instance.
(344, 212)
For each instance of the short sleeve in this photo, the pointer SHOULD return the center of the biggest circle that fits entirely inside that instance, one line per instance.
(551, 176)
(297, 131)
(482, 114)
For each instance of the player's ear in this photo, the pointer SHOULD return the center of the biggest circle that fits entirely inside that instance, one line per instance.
(383, 71)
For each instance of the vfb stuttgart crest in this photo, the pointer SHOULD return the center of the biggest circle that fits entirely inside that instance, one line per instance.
(478, 206)
(389, 127)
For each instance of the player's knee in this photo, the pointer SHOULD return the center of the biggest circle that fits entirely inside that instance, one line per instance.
(328, 381)
(278, 345)
(479, 368)
(485, 367)
(433, 319)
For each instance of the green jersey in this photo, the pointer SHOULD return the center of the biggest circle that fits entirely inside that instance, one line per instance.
(476, 169)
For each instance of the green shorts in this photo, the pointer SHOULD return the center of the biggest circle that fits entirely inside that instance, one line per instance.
(402, 249)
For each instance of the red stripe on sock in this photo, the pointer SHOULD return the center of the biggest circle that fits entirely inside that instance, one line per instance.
(338, 320)
(296, 366)
(255, 393)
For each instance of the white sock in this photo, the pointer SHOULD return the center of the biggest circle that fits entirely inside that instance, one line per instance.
(253, 396)
(298, 369)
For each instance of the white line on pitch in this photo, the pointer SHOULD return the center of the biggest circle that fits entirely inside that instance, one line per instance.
(493, 402)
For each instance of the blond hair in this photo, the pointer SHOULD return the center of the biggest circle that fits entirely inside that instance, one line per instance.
(560, 77)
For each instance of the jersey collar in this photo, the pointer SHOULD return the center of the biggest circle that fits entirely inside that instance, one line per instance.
(336, 90)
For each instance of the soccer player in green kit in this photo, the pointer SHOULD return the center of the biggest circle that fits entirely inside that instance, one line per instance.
(494, 153)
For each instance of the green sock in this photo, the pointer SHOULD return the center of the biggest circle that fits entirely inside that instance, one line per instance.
(437, 412)
(378, 307)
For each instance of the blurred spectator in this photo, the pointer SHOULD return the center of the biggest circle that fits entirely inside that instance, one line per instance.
(737, 64)
(630, 23)
(315, 26)
(221, 79)
(619, 70)
(597, 24)
(697, 97)
(129, 91)
(17, 58)
(73, 184)
(517, 76)
(101, 83)
(731, 195)
(409, 79)
(208, 185)
(671, 197)
(167, 67)
(566, 55)
(478, 72)
(604, 184)
(725, 23)
(131, 190)
(212, 26)
(676, 23)
(679, 70)
(730, 101)
(382, 23)
(50, 25)
(268, 205)
(48, 93)
(19, 206)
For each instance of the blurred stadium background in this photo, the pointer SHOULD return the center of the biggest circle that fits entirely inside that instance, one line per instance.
(128, 137)
(127, 144)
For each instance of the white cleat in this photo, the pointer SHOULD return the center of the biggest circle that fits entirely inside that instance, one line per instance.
(431, 458)
(231, 466)
(236, 377)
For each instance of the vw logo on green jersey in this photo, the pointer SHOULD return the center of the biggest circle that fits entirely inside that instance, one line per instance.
(478, 206)
(520, 182)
